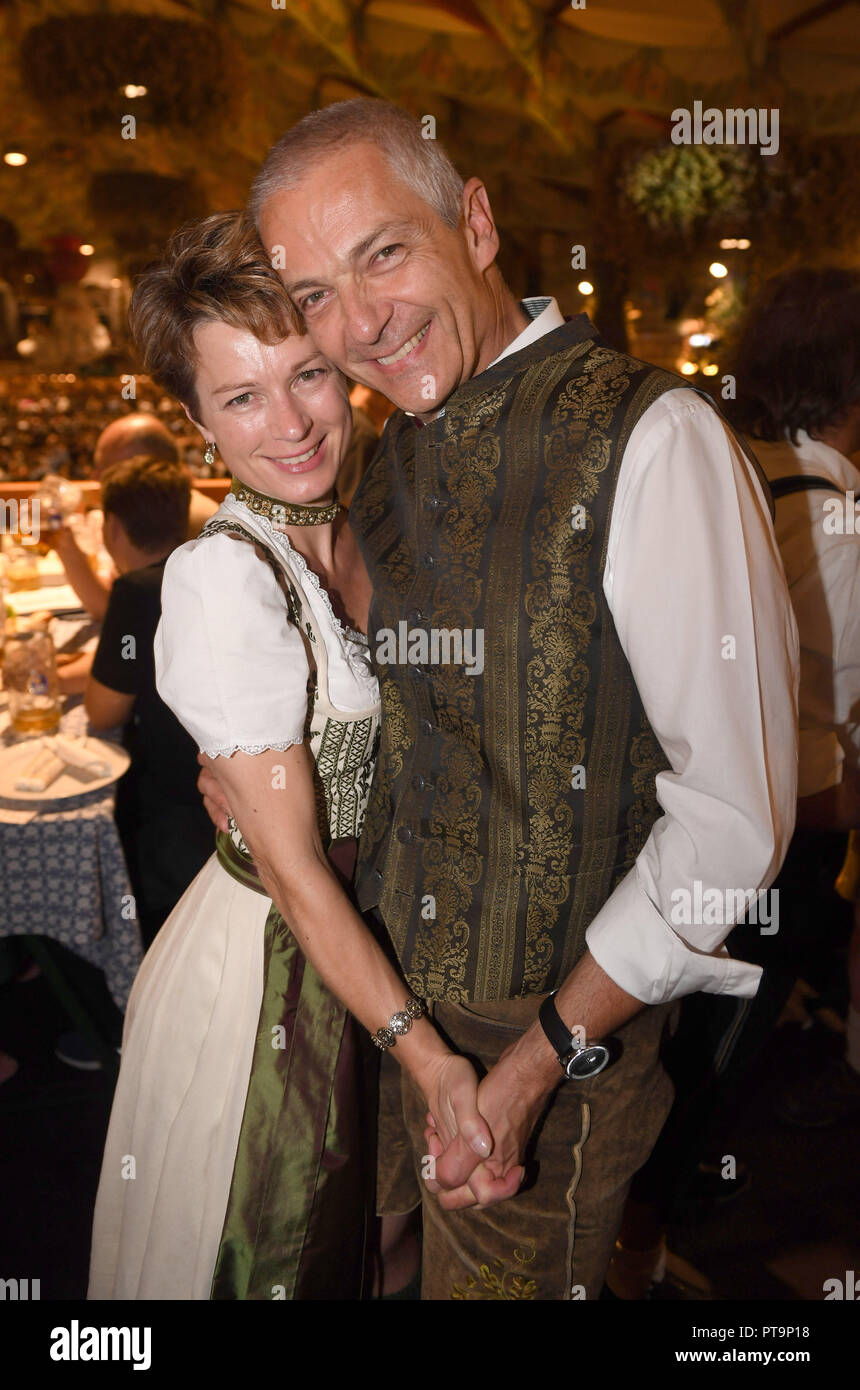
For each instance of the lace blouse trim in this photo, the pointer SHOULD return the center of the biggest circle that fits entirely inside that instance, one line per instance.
(227, 750)
(280, 536)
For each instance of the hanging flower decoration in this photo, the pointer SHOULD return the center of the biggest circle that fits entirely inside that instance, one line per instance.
(676, 186)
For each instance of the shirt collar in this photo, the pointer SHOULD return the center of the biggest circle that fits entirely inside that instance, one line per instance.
(544, 317)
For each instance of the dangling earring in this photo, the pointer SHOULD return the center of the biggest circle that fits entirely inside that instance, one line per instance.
(209, 453)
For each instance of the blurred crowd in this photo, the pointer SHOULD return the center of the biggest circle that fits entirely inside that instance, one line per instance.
(50, 422)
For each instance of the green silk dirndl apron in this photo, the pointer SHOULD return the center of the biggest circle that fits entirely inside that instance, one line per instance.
(298, 1217)
(300, 1212)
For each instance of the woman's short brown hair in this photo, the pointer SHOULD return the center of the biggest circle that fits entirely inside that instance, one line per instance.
(212, 271)
(151, 498)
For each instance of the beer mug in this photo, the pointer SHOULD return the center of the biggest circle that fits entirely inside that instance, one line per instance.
(22, 566)
(31, 683)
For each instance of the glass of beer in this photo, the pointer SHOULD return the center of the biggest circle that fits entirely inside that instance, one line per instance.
(22, 566)
(31, 683)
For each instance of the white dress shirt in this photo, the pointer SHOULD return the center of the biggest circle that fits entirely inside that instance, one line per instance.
(692, 563)
(820, 550)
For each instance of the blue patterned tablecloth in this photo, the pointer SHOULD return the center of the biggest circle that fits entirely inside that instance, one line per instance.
(63, 875)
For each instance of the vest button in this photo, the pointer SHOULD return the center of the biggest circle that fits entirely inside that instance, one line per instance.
(428, 561)
(405, 835)
(420, 784)
(433, 503)
(426, 727)
(414, 616)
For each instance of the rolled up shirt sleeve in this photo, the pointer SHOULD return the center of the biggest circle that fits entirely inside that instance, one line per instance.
(697, 592)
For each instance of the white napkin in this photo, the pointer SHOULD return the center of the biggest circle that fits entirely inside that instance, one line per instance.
(76, 753)
(42, 769)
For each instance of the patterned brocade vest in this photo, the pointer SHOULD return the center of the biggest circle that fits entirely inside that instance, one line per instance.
(507, 803)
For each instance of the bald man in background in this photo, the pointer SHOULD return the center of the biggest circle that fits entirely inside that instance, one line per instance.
(131, 436)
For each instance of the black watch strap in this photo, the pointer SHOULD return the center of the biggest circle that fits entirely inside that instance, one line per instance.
(561, 1037)
(579, 1060)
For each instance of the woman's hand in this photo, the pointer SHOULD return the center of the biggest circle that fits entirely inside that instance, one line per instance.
(449, 1084)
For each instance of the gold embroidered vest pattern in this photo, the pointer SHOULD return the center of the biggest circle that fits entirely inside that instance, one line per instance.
(487, 862)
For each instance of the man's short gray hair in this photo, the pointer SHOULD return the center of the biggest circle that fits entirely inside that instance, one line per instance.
(421, 164)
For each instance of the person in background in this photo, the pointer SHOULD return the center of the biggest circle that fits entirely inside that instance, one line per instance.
(166, 834)
(797, 367)
(132, 436)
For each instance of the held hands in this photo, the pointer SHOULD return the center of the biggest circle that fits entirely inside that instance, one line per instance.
(509, 1107)
(460, 1138)
(476, 1133)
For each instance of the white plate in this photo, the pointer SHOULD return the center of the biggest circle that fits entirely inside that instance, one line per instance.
(14, 759)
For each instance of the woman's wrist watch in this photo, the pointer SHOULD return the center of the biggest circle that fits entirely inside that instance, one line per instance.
(578, 1060)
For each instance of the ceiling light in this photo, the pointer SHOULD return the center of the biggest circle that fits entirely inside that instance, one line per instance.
(15, 158)
(86, 249)
(585, 287)
(717, 269)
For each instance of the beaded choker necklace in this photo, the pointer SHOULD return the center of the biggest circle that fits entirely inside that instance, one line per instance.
(282, 513)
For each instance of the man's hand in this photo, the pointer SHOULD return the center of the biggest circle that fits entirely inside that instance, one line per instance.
(214, 799)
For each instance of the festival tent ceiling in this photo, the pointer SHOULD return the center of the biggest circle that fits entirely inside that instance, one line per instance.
(525, 93)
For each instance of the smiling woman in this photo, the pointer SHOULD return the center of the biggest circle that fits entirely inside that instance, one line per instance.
(279, 413)
(245, 1093)
(188, 287)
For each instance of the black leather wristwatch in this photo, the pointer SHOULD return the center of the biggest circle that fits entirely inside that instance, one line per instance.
(578, 1060)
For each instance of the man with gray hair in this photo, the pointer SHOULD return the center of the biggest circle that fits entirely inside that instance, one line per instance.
(633, 728)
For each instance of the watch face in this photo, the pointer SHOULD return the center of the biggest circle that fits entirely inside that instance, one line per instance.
(587, 1061)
